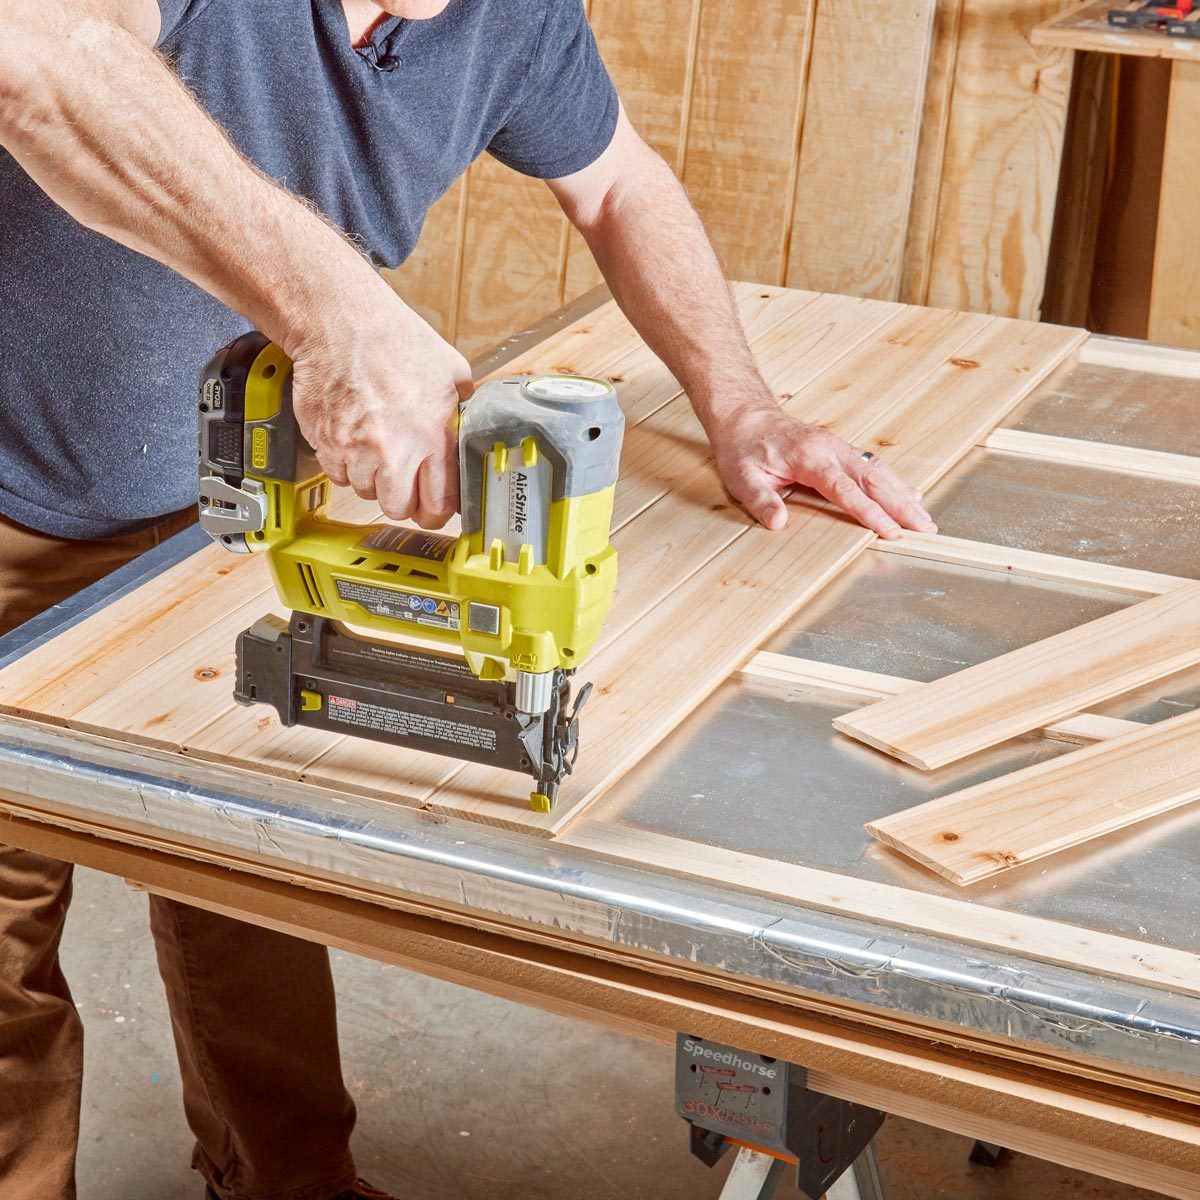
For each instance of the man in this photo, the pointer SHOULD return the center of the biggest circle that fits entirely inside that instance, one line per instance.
(145, 222)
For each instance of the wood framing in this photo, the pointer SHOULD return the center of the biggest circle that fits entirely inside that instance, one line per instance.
(1031, 564)
(1035, 685)
(973, 834)
(1144, 357)
(1157, 463)
(784, 671)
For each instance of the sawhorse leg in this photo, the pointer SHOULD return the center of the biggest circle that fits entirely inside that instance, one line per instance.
(861, 1182)
(754, 1176)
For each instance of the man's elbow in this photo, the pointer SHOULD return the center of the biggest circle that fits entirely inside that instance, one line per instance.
(645, 181)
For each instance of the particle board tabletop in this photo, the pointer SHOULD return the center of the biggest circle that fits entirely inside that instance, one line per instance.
(727, 835)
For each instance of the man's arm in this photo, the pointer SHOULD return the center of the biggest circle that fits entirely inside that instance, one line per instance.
(663, 272)
(101, 124)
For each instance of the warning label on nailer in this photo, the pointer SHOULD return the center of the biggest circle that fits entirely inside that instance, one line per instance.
(364, 715)
(416, 543)
(400, 605)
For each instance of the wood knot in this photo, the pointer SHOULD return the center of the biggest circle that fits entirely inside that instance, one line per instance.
(205, 673)
(885, 441)
(718, 507)
(966, 363)
(949, 837)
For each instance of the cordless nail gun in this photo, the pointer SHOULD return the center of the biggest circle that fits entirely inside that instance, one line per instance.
(514, 603)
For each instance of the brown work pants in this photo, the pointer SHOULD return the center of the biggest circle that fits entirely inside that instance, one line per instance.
(252, 1010)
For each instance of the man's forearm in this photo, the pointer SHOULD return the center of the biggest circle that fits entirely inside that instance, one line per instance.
(660, 265)
(107, 131)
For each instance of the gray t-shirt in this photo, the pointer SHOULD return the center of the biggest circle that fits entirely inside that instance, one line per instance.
(101, 348)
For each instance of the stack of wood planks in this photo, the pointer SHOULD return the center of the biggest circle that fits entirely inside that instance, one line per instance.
(906, 151)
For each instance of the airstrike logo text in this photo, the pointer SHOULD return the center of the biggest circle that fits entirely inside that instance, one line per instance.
(518, 508)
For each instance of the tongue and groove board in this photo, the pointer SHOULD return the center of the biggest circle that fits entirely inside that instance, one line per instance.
(1035, 685)
(700, 585)
(978, 832)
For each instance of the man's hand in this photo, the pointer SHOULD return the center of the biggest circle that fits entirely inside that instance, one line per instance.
(762, 452)
(378, 406)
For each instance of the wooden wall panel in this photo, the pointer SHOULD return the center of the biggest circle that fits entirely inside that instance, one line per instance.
(999, 178)
(858, 147)
(511, 237)
(748, 91)
(428, 281)
(931, 151)
(650, 53)
(1174, 316)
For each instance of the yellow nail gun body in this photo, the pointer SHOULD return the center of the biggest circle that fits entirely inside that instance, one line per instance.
(516, 601)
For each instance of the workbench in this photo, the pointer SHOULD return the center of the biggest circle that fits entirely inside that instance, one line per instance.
(1173, 317)
(725, 887)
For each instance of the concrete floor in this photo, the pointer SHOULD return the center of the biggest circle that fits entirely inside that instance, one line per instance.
(446, 1110)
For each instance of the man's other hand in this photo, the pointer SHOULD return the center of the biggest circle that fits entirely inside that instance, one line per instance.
(762, 452)
(377, 402)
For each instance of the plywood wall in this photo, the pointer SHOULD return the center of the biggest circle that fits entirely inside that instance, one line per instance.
(906, 151)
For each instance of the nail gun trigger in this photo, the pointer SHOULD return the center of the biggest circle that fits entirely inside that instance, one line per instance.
(573, 727)
(581, 700)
